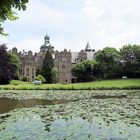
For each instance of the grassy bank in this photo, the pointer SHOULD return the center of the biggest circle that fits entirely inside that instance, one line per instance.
(104, 84)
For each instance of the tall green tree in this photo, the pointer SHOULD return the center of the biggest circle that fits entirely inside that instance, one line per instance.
(130, 60)
(14, 61)
(109, 61)
(8, 65)
(7, 12)
(55, 76)
(86, 71)
(47, 67)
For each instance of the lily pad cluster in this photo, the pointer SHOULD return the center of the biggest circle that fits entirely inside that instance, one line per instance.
(90, 115)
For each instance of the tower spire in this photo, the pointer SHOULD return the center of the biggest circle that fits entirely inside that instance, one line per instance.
(46, 40)
(88, 48)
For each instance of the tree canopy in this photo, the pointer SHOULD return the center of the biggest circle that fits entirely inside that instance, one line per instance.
(7, 12)
(85, 71)
(47, 67)
(9, 65)
(109, 61)
(131, 60)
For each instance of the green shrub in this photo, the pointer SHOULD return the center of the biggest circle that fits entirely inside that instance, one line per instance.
(40, 78)
(24, 79)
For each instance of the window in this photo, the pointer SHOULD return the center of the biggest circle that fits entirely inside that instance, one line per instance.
(63, 66)
(20, 70)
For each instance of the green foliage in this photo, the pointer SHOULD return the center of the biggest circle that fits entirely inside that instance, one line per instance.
(17, 82)
(130, 60)
(38, 71)
(86, 71)
(40, 78)
(109, 62)
(47, 67)
(17, 76)
(7, 12)
(8, 65)
(14, 60)
(55, 75)
(24, 79)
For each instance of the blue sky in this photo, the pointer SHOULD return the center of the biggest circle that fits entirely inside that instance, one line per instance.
(71, 23)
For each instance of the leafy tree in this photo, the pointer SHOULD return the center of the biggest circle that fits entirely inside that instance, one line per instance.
(86, 71)
(109, 62)
(130, 60)
(40, 78)
(55, 75)
(38, 71)
(8, 65)
(14, 60)
(47, 67)
(7, 12)
(24, 79)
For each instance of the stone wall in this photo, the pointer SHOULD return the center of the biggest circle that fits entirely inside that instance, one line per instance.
(63, 63)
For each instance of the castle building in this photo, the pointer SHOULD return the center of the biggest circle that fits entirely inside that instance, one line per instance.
(63, 61)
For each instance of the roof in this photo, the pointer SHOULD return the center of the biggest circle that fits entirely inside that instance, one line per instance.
(88, 47)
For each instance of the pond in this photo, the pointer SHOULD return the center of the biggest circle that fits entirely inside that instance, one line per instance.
(70, 115)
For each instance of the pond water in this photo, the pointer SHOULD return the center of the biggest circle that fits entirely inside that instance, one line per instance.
(7, 104)
(70, 115)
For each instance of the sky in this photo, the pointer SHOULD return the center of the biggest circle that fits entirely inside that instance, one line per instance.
(72, 23)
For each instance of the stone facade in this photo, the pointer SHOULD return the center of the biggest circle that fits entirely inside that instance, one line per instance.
(63, 61)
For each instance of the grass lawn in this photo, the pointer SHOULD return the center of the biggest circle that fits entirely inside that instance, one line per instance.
(104, 84)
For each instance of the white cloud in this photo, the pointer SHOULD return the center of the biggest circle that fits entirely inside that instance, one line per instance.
(91, 10)
(71, 24)
(29, 44)
(40, 12)
(62, 43)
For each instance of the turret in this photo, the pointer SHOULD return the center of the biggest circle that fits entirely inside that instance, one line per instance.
(46, 46)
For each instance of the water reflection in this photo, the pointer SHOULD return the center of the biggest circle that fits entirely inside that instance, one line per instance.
(74, 128)
(7, 105)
